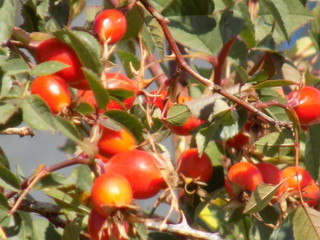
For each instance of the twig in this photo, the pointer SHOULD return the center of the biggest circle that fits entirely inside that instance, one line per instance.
(181, 229)
(73, 161)
(183, 64)
(22, 131)
(218, 67)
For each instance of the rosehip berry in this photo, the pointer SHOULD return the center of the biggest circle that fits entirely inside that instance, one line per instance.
(54, 50)
(297, 177)
(191, 165)
(141, 169)
(110, 25)
(306, 103)
(113, 142)
(53, 90)
(242, 176)
(110, 191)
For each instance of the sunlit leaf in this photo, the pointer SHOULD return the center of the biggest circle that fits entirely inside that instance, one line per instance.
(47, 68)
(312, 155)
(306, 223)
(36, 113)
(7, 19)
(127, 121)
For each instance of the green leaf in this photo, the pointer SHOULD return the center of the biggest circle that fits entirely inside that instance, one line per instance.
(3, 159)
(306, 223)
(127, 121)
(8, 180)
(53, 180)
(205, 135)
(229, 25)
(192, 24)
(60, 13)
(86, 47)
(5, 85)
(48, 68)
(7, 19)
(4, 202)
(68, 129)
(134, 22)
(275, 144)
(100, 94)
(274, 83)
(83, 177)
(43, 229)
(71, 232)
(280, 12)
(260, 198)
(128, 59)
(312, 153)
(7, 111)
(67, 198)
(36, 113)
(153, 36)
(178, 114)
(15, 66)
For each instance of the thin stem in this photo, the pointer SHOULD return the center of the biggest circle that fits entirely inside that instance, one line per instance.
(218, 68)
(55, 167)
(183, 64)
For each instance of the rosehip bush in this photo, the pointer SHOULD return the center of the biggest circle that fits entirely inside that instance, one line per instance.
(208, 108)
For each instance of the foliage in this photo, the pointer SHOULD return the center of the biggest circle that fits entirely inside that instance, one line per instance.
(237, 60)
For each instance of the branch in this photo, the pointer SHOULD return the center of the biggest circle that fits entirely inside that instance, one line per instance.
(218, 68)
(181, 229)
(73, 161)
(22, 132)
(183, 64)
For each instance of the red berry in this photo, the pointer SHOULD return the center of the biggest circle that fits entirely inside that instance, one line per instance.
(113, 142)
(306, 103)
(239, 140)
(54, 50)
(242, 176)
(110, 25)
(142, 171)
(110, 190)
(311, 194)
(53, 90)
(191, 165)
(270, 173)
(297, 176)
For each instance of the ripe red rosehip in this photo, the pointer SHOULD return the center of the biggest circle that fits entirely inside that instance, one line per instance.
(297, 177)
(191, 165)
(54, 50)
(158, 101)
(239, 140)
(95, 224)
(110, 190)
(192, 123)
(113, 142)
(53, 90)
(114, 81)
(242, 176)
(141, 169)
(271, 174)
(311, 194)
(110, 25)
(306, 103)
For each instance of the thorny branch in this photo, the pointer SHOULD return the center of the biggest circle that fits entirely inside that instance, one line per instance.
(22, 131)
(183, 64)
(52, 213)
